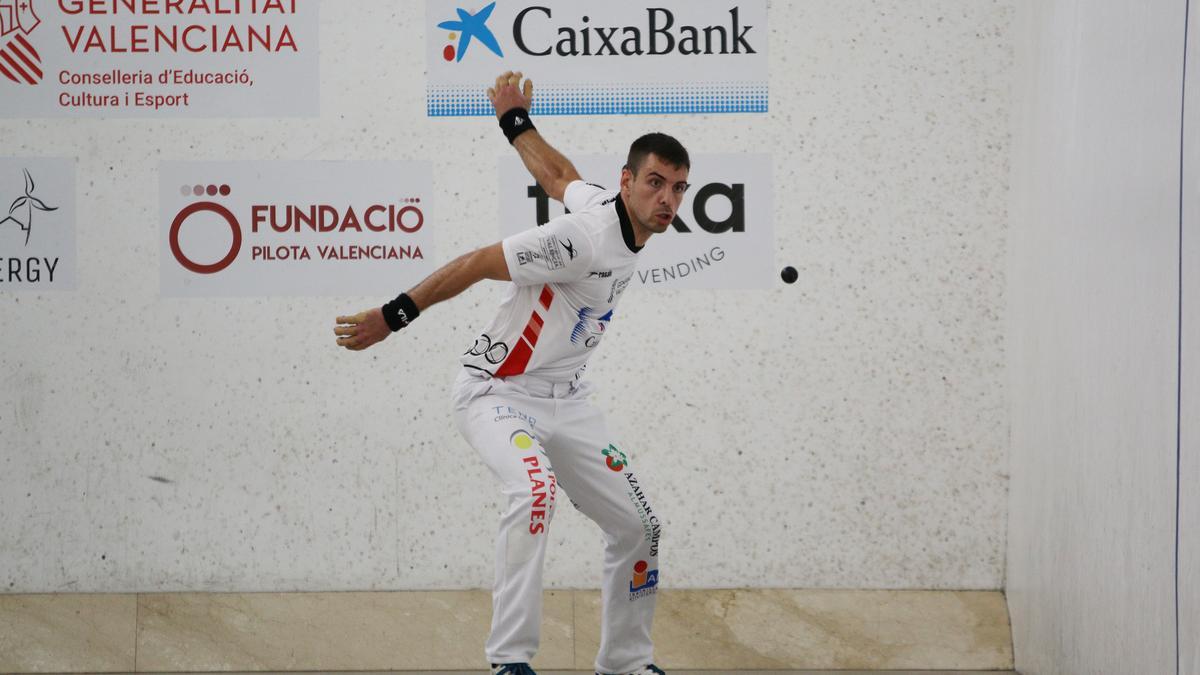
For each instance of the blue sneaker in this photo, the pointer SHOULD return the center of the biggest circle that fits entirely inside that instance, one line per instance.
(512, 669)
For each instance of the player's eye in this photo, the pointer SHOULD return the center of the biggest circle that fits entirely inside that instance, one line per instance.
(681, 188)
(656, 183)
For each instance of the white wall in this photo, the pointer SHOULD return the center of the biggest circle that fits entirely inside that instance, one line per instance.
(1093, 321)
(847, 431)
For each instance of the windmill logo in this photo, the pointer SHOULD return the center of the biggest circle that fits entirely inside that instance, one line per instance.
(23, 208)
(19, 61)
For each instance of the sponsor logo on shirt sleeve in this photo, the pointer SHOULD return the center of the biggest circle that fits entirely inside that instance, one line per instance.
(570, 248)
(551, 254)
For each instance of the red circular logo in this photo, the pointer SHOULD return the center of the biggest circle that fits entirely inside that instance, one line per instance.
(233, 225)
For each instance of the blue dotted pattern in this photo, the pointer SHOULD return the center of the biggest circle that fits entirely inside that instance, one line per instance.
(619, 99)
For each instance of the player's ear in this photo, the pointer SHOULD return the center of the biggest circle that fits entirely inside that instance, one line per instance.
(626, 178)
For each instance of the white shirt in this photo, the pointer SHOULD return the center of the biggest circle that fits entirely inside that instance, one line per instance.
(567, 277)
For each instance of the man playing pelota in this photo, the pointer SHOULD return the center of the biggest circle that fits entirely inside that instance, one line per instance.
(521, 400)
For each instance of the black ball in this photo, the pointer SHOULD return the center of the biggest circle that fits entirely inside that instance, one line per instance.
(789, 274)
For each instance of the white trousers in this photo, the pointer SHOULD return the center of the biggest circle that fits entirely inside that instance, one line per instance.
(542, 440)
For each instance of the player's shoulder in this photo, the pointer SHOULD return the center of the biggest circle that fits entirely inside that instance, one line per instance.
(589, 224)
(581, 196)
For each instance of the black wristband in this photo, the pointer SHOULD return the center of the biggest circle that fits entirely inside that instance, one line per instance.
(400, 312)
(515, 122)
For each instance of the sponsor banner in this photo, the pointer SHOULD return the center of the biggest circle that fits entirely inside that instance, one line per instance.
(722, 236)
(294, 228)
(37, 224)
(667, 56)
(159, 58)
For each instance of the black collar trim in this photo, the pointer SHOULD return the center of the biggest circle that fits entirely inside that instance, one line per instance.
(626, 226)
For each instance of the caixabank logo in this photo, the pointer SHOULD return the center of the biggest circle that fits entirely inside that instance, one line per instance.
(293, 228)
(19, 61)
(669, 56)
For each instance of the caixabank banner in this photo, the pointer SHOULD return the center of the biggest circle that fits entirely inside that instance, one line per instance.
(158, 58)
(587, 57)
(37, 224)
(294, 228)
(722, 236)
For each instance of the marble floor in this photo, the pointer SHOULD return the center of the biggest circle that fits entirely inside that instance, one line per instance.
(770, 630)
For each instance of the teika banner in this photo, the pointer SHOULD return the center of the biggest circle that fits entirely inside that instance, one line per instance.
(722, 236)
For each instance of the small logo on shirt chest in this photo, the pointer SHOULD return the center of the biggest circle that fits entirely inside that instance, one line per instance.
(600, 275)
(618, 287)
(591, 327)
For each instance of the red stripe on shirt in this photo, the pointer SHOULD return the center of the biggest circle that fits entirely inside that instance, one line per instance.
(518, 358)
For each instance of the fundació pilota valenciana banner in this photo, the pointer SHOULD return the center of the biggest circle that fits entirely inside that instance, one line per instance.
(294, 228)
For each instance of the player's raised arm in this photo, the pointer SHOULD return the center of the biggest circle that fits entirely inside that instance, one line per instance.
(364, 329)
(548, 166)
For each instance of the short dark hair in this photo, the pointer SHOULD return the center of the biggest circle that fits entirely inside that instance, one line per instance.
(667, 148)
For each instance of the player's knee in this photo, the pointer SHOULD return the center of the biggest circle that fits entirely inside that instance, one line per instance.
(639, 529)
(641, 521)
